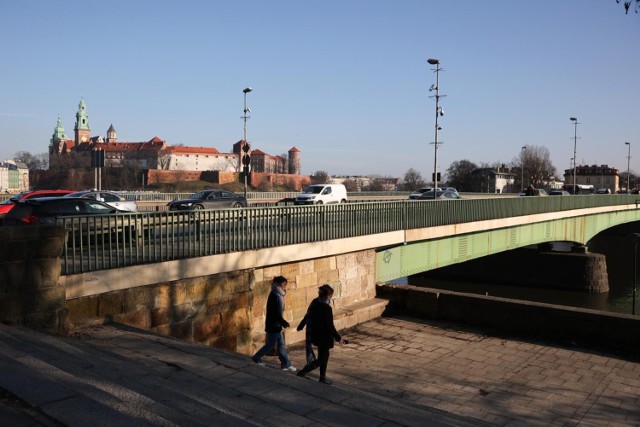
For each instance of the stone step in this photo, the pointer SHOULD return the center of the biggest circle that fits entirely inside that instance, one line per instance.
(115, 374)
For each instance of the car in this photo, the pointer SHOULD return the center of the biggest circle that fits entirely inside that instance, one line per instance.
(440, 194)
(109, 198)
(534, 192)
(93, 221)
(603, 191)
(209, 199)
(46, 210)
(417, 193)
(322, 194)
(8, 204)
(559, 193)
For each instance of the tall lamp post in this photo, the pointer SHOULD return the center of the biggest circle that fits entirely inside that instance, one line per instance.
(524, 150)
(245, 158)
(628, 162)
(439, 112)
(575, 143)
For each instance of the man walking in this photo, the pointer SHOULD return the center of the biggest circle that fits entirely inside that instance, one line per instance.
(275, 324)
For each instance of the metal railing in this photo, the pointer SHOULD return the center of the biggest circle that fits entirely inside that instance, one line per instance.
(112, 241)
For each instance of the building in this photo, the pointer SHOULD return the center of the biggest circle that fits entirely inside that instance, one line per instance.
(601, 177)
(14, 177)
(495, 180)
(157, 153)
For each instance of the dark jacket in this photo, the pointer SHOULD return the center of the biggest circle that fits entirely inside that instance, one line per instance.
(323, 332)
(274, 321)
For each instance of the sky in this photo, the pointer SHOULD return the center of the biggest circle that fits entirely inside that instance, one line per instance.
(344, 81)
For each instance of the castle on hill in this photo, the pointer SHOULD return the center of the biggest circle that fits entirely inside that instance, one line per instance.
(157, 154)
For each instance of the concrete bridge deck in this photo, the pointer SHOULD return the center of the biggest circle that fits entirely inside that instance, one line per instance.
(395, 371)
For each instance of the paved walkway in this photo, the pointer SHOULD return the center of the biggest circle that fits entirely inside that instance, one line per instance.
(395, 371)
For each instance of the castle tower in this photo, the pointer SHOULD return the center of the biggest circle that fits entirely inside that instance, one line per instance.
(82, 129)
(111, 134)
(294, 161)
(58, 138)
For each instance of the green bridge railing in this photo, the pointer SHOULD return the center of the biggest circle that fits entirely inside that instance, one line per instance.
(101, 242)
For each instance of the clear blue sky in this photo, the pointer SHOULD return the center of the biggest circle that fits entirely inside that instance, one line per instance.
(346, 82)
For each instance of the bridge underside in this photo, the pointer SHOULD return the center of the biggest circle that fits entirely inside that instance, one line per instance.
(417, 256)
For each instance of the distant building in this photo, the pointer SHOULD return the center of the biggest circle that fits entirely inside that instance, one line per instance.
(158, 154)
(495, 180)
(601, 177)
(14, 177)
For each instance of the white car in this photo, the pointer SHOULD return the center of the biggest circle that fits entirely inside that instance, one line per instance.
(110, 199)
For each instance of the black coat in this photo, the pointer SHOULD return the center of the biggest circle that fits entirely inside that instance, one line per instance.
(323, 332)
(274, 321)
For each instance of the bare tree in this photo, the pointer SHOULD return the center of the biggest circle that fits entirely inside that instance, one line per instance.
(164, 161)
(627, 5)
(536, 163)
(412, 180)
(460, 175)
(319, 177)
(33, 162)
(351, 185)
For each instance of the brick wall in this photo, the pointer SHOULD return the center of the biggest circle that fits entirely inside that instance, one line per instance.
(157, 176)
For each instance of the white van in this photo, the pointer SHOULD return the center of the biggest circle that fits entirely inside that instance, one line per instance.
(319, 194)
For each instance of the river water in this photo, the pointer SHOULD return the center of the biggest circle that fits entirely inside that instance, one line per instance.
(615, 244)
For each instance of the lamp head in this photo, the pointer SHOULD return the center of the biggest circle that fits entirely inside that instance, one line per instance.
(247, 90)
(627, 143)
(433, 61)
(573, 119)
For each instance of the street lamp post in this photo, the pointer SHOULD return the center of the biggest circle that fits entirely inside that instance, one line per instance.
(524, 150)
(575, 143)
(245, 168)
(439, 112)
(628, 163)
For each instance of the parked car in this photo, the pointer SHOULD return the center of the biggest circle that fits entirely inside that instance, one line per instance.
(8, 204)
(46, 210)
(109, 198)
(417, 193)
(603, 191)
(559, 193)
(319, 194)
(209, 199)
(442, 193)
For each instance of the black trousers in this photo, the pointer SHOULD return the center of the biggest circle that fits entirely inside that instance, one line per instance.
(321, 362)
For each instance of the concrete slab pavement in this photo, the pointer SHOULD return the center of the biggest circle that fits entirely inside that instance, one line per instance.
(499, 380)
(394, 372)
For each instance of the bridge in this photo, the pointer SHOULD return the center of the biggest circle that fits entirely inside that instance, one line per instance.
(409, 236)
(204, 275)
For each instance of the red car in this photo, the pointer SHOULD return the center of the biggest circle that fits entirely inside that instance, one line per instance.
(8, 204)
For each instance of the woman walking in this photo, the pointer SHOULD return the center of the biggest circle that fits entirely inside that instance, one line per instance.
(274, 325)
(321, 331)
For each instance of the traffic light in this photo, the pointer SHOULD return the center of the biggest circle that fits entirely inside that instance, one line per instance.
(97, 158)
(246, 159)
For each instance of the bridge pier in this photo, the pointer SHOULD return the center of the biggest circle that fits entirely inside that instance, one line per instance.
(577, 270)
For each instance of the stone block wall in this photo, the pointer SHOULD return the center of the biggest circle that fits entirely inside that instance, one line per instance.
(29, 270)
(228, 310)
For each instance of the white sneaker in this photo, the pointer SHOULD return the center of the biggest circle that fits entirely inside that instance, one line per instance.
(290, 369)
(259, 363)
